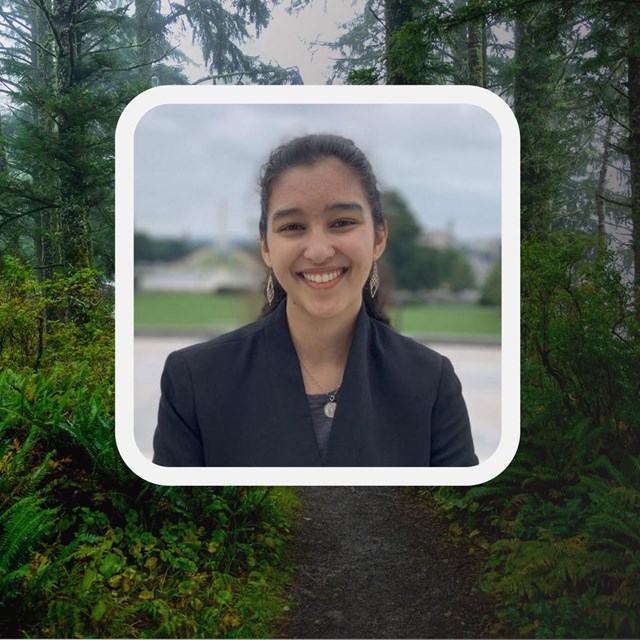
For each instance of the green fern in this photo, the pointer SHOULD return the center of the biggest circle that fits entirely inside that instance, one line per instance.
(23, 525)
(603, 466)
(608, 526)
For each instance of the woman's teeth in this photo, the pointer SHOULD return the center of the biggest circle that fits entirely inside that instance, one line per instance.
(322, 277)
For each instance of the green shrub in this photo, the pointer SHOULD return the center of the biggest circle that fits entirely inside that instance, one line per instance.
(65, 319)
(491, 292)
(88, 549)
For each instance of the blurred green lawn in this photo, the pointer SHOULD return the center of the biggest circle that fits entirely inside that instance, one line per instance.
(192, 311)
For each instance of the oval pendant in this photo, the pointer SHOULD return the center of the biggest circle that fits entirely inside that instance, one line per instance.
(330, 409)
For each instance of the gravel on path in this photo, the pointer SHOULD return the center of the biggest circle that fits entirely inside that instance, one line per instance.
(373, 562)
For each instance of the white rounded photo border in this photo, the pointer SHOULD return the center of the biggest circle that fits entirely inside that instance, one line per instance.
(318, 476)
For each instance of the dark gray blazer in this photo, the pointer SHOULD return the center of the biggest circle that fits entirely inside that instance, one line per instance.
(239, 400)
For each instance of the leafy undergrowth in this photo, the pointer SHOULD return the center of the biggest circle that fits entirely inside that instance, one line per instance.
(562, 551)
(88, 549)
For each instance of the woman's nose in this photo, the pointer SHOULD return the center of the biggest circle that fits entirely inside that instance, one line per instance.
(319, 247)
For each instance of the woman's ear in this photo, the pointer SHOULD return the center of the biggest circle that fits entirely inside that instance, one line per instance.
(380, 241)
(264, 249)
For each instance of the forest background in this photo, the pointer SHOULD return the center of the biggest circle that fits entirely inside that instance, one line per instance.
(88, 549)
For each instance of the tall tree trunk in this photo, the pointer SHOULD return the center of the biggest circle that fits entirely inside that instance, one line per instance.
(51, 254)
(477, 53)
(602, 187)
(634, 149)
(534, 98)
(39, 233)
(470, 49)
(397, 13)
(3, 152)
(75, 236)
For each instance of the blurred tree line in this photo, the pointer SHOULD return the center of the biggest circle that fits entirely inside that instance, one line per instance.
(149, 249)
(415, 264)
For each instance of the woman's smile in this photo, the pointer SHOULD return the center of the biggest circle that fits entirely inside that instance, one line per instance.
(323, 279)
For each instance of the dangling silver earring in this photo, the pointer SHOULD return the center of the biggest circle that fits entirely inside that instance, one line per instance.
(374, 281)
(270, 290)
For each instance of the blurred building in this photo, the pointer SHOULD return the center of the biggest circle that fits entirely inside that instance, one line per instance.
(480, 253)
(439, 238)
(206, 270)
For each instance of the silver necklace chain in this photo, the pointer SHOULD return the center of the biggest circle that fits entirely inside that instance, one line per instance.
(329, 407)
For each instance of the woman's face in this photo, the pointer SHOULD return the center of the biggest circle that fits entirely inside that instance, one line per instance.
(321, 240)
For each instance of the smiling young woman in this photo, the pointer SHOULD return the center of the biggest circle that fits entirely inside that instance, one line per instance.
(320, 241)
(320, 378)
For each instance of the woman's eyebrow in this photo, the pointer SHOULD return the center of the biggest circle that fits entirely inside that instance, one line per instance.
(285, 213)
(344, 206)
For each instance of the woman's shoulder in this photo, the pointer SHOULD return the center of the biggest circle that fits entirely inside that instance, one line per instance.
(402, 346)
(231, 342)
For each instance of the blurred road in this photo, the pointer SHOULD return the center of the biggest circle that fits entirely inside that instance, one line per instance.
(478, 368)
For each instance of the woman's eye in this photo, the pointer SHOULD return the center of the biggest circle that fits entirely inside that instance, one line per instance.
(343, 223)
(294, 226)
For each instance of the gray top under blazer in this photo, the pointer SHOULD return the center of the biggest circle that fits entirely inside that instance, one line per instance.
(239, 400)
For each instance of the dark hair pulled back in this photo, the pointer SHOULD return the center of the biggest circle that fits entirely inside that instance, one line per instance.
(305, 151)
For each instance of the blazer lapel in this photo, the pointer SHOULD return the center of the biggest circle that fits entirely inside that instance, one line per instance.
(293, 418)
(353, 412)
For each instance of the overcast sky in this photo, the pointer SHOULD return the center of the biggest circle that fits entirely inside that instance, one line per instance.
(289, 39)
(197, 166)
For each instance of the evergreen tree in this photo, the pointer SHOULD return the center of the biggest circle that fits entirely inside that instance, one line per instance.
(414, 266)
(491, 294)
(71, 68)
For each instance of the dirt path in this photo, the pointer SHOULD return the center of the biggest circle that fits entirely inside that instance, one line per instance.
(371, 562)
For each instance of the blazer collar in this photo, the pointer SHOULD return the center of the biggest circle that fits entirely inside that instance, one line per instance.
(354, 400)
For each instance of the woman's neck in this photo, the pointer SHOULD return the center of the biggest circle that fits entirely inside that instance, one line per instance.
(320, 342)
